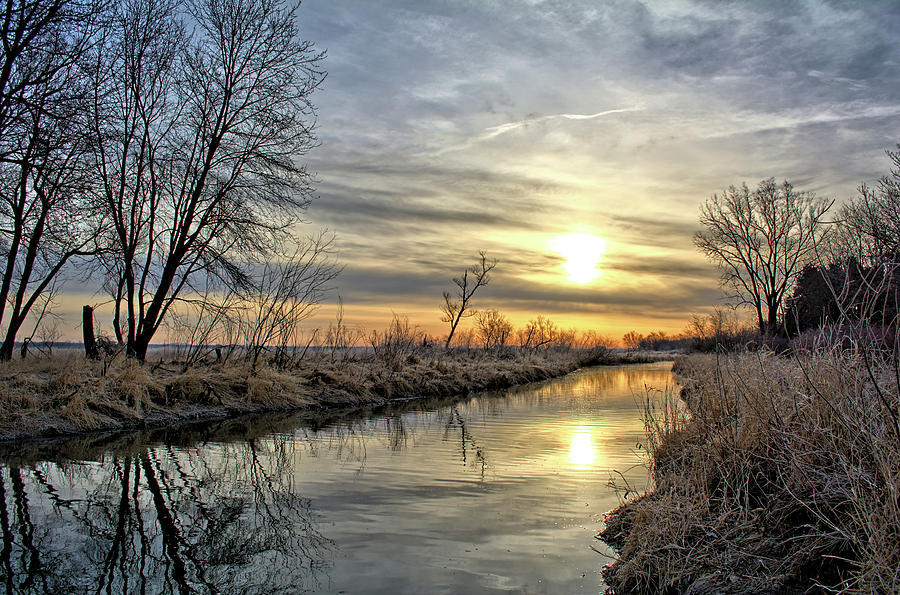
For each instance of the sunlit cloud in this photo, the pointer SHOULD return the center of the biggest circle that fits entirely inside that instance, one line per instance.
(452, 127)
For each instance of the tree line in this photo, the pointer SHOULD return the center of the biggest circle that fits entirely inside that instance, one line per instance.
(155, 145)
(795, 269)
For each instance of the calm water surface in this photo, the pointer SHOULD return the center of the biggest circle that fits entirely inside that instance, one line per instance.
(499, 493)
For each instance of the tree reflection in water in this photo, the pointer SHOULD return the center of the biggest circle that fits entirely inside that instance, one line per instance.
(162, 520)
(208, 518)
(467, 443)
(217, 506)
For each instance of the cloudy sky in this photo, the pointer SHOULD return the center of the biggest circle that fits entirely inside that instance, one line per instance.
(549, 133)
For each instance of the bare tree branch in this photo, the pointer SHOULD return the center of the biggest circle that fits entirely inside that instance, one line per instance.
(760, 240)
(456, 306)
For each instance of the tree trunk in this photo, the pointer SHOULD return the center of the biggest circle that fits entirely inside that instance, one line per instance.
(87, 330)
(138, 348)
(9, 342)
(772, 323)
(117, 313)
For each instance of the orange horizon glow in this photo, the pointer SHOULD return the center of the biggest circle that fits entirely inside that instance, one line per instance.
(422, 314)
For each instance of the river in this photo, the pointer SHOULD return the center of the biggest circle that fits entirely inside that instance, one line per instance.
(498, 493)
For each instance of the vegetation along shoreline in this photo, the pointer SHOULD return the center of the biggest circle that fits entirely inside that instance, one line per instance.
(71, 395)
(770, 473)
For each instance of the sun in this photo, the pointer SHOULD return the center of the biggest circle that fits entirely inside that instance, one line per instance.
(582, 253)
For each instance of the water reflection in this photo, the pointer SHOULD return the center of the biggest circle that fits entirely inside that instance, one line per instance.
(494, 493)
(162, 520)
(582, 452)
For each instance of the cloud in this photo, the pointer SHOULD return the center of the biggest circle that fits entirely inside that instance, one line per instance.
(655, 231)
(450, 127)
(495, 131)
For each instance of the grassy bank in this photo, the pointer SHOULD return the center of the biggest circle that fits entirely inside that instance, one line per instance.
(64, 395)
(774, 474)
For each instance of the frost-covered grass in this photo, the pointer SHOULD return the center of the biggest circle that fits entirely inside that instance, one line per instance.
(771, 474)
(68, 393)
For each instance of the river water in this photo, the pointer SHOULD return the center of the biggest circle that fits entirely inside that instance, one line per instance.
(499, 493)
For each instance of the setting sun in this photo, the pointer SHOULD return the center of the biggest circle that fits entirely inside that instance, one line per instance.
(582, 253)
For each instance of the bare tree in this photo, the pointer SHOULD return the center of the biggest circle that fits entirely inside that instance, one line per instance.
(494, 328)
(760, 240)
(287, 292)
(198, 139)
(713, 326)
(857, 281)
(592, 339)
(566, 338)
(44, 173)
(538, 332)
(456, 306)
(869, 229)
(632, 340)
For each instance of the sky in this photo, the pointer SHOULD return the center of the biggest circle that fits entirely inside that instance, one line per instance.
(574, 142)
(547, 131)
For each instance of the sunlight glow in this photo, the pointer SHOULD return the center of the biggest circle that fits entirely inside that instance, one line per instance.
(582, 451)
(582, 253)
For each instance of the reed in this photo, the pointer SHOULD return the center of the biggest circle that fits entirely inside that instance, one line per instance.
(70, 394)
(770, 474)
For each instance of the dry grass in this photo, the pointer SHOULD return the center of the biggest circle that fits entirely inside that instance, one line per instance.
(73, 394)
(782, 476)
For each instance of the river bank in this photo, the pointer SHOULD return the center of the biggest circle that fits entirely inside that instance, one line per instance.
(69, 395)
(770, 474)
(493, 493)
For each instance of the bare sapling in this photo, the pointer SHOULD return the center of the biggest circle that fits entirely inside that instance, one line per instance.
(286, 292)
(457, 305)
(400, 340)
(198, 326)
(340, 340)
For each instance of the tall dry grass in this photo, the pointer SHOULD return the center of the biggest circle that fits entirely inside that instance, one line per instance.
(68, 394)
(782, 475)
(71, 393)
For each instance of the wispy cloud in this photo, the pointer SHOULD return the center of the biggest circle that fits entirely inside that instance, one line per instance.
(640, 110)
(495, 131)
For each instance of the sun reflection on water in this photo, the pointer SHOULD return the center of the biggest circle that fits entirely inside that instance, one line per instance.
(582, 452)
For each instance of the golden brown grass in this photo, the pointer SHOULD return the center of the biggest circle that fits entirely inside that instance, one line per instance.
(783, 475)
(73, 394)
